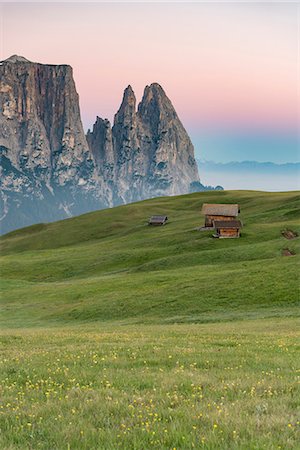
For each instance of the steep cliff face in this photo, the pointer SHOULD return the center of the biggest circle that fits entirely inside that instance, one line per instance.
(41, 134)
(151, 152)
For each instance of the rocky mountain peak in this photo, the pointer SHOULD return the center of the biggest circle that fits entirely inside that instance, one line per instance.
(16, 59)
(155, 95)
(154, 89)
(152, 153)
(156, 110)
(128, 97)
(101, 122)
(128, 92)
(127, 110)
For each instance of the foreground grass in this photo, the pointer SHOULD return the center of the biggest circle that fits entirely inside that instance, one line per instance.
(228, 386)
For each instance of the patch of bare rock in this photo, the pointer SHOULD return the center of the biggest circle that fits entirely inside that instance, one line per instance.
(289, 234)
(288, 252)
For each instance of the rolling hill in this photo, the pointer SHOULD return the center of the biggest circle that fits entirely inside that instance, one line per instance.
(110, 266)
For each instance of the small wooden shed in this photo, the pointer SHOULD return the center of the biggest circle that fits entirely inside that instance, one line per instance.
(158, 220)
(227, 228)
(214, 211)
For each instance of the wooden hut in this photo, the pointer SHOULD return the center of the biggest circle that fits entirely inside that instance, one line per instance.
(219, 212)
(227, 228)
(158, 220)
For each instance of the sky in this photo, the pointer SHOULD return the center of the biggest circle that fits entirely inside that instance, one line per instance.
(231, 70)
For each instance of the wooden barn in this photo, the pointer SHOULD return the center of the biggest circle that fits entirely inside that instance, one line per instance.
(158, 220)
(227, 228)
(219, 212)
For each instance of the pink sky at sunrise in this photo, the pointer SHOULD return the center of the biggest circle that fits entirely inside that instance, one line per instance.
(225, 66)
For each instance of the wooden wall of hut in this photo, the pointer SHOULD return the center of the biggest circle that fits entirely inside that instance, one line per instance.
(209, 219)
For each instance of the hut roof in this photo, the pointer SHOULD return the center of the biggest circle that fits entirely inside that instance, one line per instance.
(227, 224)
(214, 209)
(158, 219)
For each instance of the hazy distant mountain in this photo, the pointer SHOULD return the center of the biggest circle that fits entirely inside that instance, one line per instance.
(251, 175)
(250, 165)
(50, 170)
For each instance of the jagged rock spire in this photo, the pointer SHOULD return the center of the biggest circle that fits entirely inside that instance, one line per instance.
(153, 153)
(127, 110)
(173, 166)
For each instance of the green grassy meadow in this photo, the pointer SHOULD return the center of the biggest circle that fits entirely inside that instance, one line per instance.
(115, 334)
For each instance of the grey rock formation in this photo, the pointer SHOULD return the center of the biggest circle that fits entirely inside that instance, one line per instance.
(49, 168)
(148, 148)
(170, 153)
(42, 137)
(126, 143)
(100, 144)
